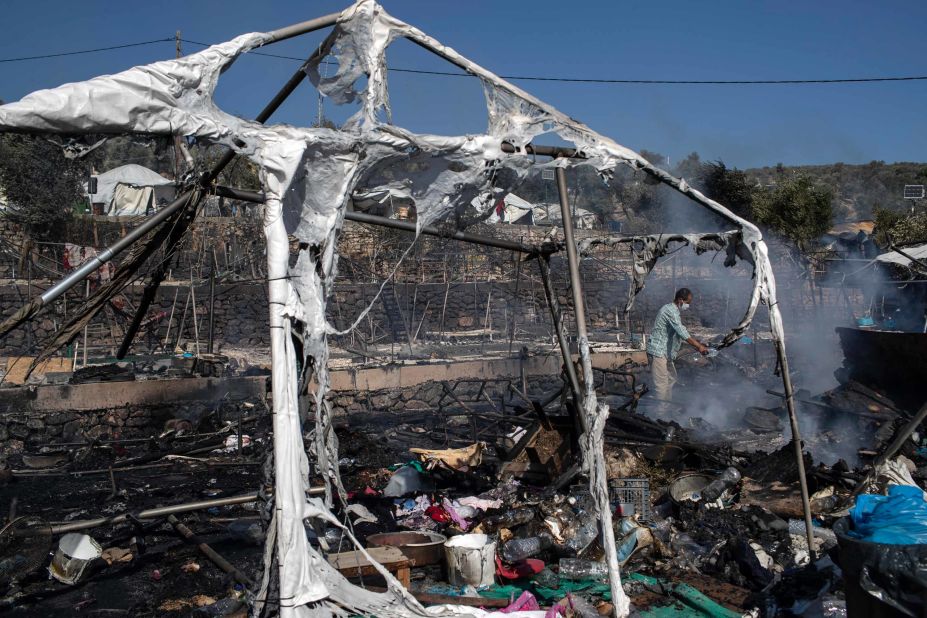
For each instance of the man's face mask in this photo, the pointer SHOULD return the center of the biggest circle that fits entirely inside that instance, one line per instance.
(684, 307)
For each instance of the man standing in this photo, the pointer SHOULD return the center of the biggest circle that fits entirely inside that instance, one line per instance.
(665, 340)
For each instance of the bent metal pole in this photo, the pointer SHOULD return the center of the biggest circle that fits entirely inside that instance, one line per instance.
(163, 511)
(113, 250)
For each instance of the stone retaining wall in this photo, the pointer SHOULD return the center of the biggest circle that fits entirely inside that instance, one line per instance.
(39, 415)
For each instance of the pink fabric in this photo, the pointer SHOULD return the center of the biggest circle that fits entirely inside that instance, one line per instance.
(460, 521)
(555, 611)
(524, 603)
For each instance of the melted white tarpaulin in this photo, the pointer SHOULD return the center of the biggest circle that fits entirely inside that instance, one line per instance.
(309, 175)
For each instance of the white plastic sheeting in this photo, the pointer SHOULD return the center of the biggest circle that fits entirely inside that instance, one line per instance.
(918, 252)
(309, 175)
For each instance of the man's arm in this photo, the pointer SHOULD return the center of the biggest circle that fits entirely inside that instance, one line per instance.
(676, 323)
(702, 348)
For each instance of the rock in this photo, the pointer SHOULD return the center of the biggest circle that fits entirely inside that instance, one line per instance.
(97, 431)
(72, 431)
(12, 447)
(59, 418)
(381, 402)
(416, 404)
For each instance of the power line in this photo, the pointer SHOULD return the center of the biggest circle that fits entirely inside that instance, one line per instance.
(579, 80)
(84, 51)
(536, 78)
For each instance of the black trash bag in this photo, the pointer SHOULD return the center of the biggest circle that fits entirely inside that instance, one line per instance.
(882, 579)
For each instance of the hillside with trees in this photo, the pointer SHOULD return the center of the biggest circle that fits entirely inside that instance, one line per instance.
(859, 190)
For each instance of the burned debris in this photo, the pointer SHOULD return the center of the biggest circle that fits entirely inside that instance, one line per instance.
(406, 470)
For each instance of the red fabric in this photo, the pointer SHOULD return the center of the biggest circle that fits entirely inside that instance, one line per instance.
(519, 570)
(438, 514)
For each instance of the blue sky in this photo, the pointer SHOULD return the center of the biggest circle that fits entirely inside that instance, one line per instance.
(745, 126)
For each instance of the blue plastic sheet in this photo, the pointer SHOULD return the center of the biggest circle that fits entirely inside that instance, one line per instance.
(900, 518)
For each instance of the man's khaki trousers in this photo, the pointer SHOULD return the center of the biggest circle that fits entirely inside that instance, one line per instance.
(663, 373)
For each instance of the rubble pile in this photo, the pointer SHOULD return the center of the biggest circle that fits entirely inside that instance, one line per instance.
(480, 503)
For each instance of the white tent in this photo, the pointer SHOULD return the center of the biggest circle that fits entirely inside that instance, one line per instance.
(131, 190)
(918, 252)
(517, 210)
(582, 219)
(522, 212)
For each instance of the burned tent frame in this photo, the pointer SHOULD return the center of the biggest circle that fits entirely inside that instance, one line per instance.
(175, 97)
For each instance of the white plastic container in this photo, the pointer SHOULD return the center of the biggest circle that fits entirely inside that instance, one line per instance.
(471, 559)
(75, 552)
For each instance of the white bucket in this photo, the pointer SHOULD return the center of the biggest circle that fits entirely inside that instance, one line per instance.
(471, 559)
(75, 552)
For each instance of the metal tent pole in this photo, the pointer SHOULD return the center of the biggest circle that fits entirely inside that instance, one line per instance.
(305, 27)
(592, 435)
(212, 309)
(113, 250)
(796, 435)
(557, 319)
(576, 286)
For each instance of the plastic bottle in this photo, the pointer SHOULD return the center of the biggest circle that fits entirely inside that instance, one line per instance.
(585, 528)
(797, 527)
(519, 549)
(825, 504)
(508, 519)
(727, 479)
(577, 568)
(246, 530)
(582, 537)
(661, 529)
(684, 544)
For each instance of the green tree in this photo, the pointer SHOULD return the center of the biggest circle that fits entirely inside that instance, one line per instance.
(795, 208)
(240, 174)
(885, 220)
(41, 185)
(896, 227)
(728, 186)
